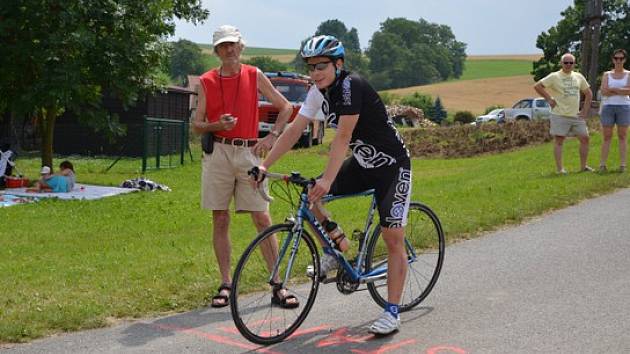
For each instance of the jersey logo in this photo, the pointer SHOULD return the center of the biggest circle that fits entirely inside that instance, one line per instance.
(346, 93)
(368, 157)
(331, 118)
(400, 206)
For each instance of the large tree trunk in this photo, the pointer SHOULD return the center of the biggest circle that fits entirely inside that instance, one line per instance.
(590, 42)
(47, 118)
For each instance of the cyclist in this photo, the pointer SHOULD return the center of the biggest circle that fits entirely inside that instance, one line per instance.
(379, 158)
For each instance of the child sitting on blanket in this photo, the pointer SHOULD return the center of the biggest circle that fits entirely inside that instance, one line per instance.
(61, 182)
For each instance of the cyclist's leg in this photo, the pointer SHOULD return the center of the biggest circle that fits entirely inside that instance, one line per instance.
(393, 194)
(348, 181)
(396, 262)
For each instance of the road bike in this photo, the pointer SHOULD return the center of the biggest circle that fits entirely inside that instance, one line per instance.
(279, 256)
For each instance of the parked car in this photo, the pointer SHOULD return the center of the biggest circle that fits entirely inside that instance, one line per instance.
(496, 115)
(528, 109)
(294, 87)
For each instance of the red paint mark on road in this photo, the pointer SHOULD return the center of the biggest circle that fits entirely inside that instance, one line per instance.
(299, 332)
(386, 348)
(340, 337)
(446, 349)
(214, 338)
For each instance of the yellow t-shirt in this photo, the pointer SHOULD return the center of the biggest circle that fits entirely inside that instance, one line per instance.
(565, 89)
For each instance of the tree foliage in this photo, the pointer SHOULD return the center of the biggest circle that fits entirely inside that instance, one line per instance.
(267, 63)
(439, 113)
(566, 36)
(406, 53)
(186, 58)
(354, 59)
(59, 55)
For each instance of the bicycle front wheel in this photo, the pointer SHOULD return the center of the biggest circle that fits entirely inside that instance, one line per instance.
(424, 242)
(276, 250)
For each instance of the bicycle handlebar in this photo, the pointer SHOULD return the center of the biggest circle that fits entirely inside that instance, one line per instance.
(294, 178)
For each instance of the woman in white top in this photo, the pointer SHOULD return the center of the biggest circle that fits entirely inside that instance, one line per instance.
(615, 108)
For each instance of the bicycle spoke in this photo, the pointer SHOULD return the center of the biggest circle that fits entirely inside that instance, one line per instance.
(255, 313)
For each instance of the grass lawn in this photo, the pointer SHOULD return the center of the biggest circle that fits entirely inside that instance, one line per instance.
(70, 265)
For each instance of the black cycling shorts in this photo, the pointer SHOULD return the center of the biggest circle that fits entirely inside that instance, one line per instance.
(392, 185)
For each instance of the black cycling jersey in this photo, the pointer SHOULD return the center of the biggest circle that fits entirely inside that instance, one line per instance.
(375, 141)
(380, 160)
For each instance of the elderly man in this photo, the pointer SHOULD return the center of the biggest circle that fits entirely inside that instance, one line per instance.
(228, 108)
(562, 90)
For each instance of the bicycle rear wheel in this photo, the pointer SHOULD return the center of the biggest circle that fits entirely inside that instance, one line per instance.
(424, 241)
(254, 314)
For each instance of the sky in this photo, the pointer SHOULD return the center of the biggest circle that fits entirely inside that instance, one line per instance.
(488, 27)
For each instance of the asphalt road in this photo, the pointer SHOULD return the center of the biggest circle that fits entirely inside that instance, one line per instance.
(556, 284)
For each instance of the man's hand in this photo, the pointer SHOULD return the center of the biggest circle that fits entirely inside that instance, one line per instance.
(553, 103)
(264, 145)
(583, 114)
(319, 190)
(228, 121)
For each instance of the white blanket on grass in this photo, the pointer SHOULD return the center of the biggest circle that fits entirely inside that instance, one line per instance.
(80, 191)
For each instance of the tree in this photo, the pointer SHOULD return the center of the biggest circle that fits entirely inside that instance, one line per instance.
(267, 63)
(406, 53)
(439, 114)
(566, 36)
(64, 55)
(186, 59)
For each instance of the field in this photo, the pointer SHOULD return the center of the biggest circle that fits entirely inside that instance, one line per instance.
(476, 95)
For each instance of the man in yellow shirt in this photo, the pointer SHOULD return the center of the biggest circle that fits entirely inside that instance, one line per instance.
(562, 90)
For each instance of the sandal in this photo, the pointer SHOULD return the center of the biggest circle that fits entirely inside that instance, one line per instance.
(286, 302)
(220, 300)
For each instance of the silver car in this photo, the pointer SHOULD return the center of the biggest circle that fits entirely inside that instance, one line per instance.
(496, 115)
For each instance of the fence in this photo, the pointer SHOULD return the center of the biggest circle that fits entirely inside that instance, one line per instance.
(165, 141)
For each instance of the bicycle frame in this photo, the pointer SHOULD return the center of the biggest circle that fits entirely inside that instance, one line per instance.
(356, 273)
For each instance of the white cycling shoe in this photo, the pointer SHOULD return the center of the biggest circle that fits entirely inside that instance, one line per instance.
(327, 262)
(385, 324)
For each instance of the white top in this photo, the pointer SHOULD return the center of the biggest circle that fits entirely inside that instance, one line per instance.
(312, 105)
(622, 100)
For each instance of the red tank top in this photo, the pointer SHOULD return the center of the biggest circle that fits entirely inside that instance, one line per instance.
(237, 95)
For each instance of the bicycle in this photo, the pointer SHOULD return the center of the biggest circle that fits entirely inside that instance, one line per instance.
(262, 322)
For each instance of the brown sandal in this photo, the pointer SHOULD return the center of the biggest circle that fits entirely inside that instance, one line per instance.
(225, 299)
(286, 302)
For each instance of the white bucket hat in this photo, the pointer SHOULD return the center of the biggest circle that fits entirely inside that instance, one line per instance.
(227, 33)
(45, 170)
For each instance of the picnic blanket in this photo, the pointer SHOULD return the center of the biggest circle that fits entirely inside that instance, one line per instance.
(80, 191)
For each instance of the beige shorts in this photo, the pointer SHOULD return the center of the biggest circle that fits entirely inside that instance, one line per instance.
(567, 126)
(224, 174)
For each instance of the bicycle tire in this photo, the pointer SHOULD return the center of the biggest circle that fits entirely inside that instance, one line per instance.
(254, 314)
(424, 232)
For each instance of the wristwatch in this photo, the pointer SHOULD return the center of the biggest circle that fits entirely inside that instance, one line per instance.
(274, 133)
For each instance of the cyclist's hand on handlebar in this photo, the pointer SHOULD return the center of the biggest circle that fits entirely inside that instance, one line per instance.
(319, 189)
(257, 175)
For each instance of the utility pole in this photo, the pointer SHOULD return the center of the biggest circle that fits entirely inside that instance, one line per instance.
(590, 42)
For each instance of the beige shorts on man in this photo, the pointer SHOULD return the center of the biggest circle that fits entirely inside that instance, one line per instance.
(219, 183)
(567, 126)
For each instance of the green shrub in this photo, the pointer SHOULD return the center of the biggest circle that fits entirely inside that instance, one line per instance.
(439, 113)
(419, 100)
(492, 108)
(464, 117)
(389, 98)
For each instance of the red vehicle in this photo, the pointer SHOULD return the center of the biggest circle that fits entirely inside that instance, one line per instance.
(294, 87)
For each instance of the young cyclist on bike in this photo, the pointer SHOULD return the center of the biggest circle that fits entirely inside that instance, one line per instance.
(379, 158)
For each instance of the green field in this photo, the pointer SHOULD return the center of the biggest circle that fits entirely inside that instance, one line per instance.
(70, 265)
(489, 68)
